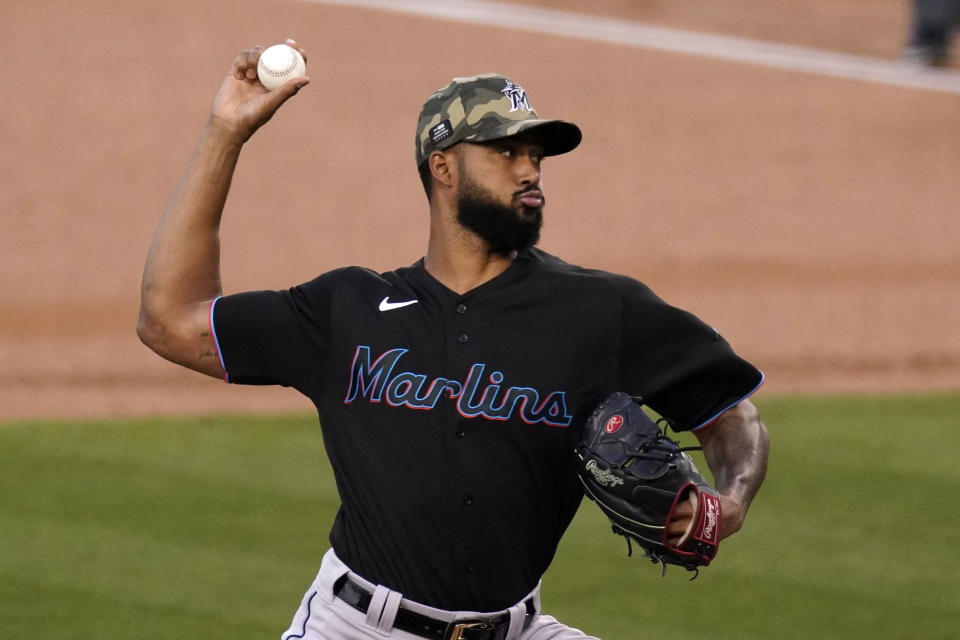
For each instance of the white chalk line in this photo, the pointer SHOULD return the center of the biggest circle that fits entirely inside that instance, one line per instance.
(634, 34)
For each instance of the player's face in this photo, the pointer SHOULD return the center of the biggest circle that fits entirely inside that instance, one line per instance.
(500, 198)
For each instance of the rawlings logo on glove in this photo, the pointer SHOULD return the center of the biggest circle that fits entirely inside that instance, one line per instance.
(638, 476)
(604, 477)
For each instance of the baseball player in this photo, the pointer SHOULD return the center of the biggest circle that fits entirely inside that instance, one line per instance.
(933, 25)
(451, 392)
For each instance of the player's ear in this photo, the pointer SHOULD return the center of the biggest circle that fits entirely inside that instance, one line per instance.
(443, 168)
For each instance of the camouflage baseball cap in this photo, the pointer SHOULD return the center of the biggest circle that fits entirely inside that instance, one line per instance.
(482, 108)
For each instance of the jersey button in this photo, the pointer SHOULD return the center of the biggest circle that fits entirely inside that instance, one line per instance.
(468, 499)
(461, 433)
(461, 308)
(463, 338)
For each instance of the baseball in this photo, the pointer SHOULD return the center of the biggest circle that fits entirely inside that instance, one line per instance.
(278, 64)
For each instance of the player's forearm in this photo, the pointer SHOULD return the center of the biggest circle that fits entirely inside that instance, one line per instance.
(183, 263)
(736, 448)
(182, 269)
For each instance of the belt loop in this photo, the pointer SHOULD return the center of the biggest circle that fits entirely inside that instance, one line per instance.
(390, 608)
(383, 610)
(375, 609)
(518, 616)
(331, 570)
(536, 600)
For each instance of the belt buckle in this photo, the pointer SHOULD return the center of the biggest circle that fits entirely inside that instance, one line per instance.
(456, 631)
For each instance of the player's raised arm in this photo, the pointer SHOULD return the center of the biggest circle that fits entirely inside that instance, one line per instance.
(182, 272)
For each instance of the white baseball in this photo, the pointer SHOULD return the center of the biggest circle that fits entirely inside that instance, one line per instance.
(278, 64)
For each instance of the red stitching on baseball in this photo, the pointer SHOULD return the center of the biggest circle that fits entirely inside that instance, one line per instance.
(276, 74)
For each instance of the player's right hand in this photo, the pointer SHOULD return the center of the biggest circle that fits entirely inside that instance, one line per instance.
(243, 105)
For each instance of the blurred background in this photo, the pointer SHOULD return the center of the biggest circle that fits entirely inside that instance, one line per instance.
(785, 169)
(810, 217)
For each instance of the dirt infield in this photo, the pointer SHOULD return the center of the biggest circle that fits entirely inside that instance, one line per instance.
(813, 220)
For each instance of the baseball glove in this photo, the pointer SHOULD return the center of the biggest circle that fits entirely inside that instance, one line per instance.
(638, 476)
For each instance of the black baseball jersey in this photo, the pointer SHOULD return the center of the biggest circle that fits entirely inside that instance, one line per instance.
(450, 420)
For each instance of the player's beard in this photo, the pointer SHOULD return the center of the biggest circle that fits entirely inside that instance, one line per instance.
(505, 229)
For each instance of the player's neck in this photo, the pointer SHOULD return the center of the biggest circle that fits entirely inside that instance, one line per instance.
(461, 261)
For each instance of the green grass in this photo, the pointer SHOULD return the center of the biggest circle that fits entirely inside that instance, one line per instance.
(214, 527)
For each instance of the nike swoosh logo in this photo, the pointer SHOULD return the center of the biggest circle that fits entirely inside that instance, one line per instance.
(386, 305)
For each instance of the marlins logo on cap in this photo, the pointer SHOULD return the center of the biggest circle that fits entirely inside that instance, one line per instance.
(483, 108)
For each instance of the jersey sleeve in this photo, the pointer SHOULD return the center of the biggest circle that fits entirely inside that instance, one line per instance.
(274, 337)
(680, 366)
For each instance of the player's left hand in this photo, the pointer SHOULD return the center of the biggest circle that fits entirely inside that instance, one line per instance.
(681, 521)
(731, 519)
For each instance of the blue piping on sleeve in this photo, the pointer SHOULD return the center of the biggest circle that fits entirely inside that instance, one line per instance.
(732, 404)
(216, 342)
